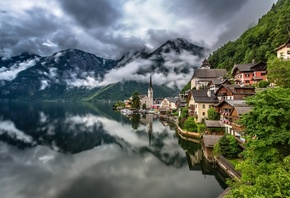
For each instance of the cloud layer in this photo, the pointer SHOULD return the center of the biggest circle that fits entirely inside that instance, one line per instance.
(109, 28)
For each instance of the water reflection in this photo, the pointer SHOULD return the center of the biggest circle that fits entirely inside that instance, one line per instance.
(197, 161)
(87, 150)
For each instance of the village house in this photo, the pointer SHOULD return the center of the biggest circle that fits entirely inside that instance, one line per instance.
(202, 76)
(283, 51)
(199, 101)
(231, 112)
(214, 127)
(208, 142)
(214, 84)
(169, 103)
(234, 92)
(248, 74)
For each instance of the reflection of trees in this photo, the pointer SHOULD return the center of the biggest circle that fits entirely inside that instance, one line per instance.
(190, 147)
(135, 119)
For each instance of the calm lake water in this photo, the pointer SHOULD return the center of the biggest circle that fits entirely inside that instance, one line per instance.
(69, 150)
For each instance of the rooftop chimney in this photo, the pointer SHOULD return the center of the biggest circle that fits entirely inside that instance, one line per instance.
(209, 93)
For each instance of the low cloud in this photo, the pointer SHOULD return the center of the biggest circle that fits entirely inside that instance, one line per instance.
(179, 68)
(8, 127)
(10, 73)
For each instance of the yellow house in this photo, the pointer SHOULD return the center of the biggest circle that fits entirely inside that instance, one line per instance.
(199, 102)
(284, 51)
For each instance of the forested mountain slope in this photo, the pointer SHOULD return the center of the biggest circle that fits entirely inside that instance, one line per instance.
(257, 43)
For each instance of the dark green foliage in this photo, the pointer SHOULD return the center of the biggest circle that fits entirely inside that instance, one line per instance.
(190, 125)
(190, 147)
(212, 114)
(135, 100)
(186, 87)
(267, 156)
(183, 116)
(263, 84)
(135, 120)
(269, 123)
(216, 130)
(143, 106)
(119, 104)
(279, 72)
(258, 42)
(123, 90)
(228, 147)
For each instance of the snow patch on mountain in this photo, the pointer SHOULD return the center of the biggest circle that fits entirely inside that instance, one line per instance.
(44, 84)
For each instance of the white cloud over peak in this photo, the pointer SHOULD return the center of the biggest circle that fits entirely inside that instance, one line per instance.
(11, 73)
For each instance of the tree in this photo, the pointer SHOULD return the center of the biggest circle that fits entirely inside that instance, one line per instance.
(190, 125)
(135, 119)
(135, 100)
(186, 87)
(266, 166)
(212, 114)
(143, 106)
(263, 84)
(279, 72)
(228, 146)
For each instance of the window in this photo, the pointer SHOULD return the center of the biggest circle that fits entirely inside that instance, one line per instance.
(203, 113)
(288, 51)
(247, 75)
(203, 106)
(247, 81)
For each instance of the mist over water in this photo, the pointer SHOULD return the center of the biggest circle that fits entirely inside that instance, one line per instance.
(69, 150)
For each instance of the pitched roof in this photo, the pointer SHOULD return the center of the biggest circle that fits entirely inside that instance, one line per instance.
(281, 46)
(214, 123)
(209, 73)
(205, 63)
(174, 100)
(243, 110)
(233, 89)
(201, 96)
(211, 140)
(245, 67)
(234, 103)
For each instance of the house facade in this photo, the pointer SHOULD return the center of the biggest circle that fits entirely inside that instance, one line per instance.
(169, 103)
(283, 51)
(204, 75)
(216, 83)
(199, 102)
(234, 92)
(248, 74)
(231, 111)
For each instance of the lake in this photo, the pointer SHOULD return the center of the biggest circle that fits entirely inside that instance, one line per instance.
(69, 150)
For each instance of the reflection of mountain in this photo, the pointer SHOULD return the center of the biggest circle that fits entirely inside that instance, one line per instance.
(73, 128)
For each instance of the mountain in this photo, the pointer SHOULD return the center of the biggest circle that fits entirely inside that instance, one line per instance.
(77, 75)
(258, 42)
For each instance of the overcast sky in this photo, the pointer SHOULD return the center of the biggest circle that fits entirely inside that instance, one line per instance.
(108, 28)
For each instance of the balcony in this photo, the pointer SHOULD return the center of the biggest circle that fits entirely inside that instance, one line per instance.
(238, 127)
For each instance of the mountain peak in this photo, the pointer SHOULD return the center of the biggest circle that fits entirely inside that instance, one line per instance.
(179, 45)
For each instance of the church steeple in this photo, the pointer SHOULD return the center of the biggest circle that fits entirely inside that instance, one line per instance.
(150, 94)
(205, 64)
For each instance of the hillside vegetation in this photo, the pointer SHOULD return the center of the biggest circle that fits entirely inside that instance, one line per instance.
(257, 43)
